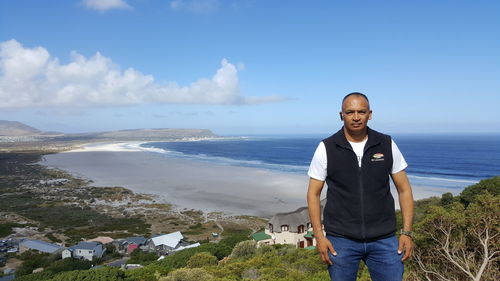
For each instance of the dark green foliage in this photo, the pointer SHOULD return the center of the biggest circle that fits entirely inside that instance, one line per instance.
(6, 228)
(50, 263)
(68, 264)
(40, 276)
(111, 252)
(101, 274)
(140, 257)
(491, 185)
(32, 260)
(446, 199)
(234, 238)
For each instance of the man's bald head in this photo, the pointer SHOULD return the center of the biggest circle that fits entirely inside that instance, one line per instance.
(358, 95)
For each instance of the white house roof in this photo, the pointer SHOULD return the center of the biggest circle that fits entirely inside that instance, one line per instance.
(188, 246)
(41, 246)
(170, 240)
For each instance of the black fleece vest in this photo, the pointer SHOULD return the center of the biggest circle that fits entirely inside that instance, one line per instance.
(359, 202)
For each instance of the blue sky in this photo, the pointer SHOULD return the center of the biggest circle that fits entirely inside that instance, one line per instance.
(249, 66)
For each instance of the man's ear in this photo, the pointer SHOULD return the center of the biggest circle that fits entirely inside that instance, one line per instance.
(341, 116)
(370, 116)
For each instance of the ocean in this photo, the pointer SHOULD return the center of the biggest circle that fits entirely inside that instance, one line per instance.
(449, 161)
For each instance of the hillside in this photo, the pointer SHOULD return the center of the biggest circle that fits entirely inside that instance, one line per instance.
(16, 136)
(14, 128)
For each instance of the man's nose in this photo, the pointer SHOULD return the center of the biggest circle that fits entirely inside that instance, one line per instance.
(356, 116)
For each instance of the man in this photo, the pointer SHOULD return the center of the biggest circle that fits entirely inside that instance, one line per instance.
(359, 217)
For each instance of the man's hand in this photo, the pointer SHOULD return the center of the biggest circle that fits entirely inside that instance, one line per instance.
(324, 246)
(406, 246)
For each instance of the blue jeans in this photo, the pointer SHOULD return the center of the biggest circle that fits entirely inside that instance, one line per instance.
(381, 257)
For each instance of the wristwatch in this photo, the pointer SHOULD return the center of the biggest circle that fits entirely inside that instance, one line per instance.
(407, 233)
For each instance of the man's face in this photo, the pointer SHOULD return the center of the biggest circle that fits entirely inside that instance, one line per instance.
(356, 113)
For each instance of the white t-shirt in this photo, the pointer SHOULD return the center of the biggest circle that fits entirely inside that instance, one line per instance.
(317, 169)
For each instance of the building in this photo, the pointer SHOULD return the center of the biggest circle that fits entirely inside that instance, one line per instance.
(292, 228)
(84, 250)
(40, 246)
(131, 243)
(168, 243)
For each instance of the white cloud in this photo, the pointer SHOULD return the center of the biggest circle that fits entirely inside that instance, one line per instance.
(31, 77)
(195, 6)
(103, 5)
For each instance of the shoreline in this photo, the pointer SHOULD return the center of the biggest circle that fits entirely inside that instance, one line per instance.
(184, 183)
(189, 184)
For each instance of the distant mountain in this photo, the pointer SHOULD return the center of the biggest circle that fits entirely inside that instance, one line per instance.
(157, 133)
(14, 128)
(18, 129)
(141, 135)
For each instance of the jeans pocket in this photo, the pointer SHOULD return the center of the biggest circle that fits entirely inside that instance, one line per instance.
(331, 257)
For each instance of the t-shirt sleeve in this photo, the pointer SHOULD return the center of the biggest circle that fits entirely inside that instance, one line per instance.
(398, 161)
(317, 169)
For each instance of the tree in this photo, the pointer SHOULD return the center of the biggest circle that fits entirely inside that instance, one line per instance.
(460, 243)
(491, 186)
(446, 198)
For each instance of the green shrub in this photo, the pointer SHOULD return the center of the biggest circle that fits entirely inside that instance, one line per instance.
(188, 274)
(244, 250)
(202, 259)
(140, 257)
(101, 274)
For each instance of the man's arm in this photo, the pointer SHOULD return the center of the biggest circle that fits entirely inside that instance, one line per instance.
(313, 202)
(406, 204)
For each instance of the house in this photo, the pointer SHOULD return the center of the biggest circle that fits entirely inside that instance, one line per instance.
(131, 243)
(84, 250)
(40, 246)
(292, 228)
(168, 243)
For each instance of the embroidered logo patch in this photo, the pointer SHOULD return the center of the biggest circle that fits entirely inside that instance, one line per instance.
(378, 157)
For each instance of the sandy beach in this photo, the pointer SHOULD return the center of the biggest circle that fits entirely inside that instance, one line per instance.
(191, 184)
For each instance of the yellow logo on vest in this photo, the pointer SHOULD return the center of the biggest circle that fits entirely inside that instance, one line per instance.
(377, 157)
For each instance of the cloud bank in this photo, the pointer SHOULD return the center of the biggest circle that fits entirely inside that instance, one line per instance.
(31, 77)
(104, 5)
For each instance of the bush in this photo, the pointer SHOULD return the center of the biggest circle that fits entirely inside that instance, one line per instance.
(101, 274)
(68, 264)
(202, 259)
(140, 257)
(188, 274)
(491, 185)
(32, 260)
(244, 250)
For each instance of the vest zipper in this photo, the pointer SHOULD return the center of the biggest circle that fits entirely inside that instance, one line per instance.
(361, 197)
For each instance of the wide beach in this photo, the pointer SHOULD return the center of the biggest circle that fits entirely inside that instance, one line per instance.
(192, 184)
